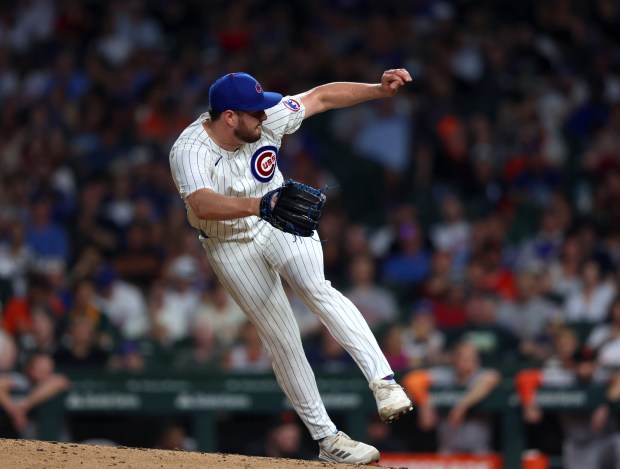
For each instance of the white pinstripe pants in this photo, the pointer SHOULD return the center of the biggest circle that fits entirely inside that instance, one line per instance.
(251, 271)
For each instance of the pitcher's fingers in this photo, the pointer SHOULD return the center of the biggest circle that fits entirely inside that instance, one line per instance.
(393, 77)
(403, 74)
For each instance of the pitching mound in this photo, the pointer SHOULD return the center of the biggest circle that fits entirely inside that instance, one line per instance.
(26, 454)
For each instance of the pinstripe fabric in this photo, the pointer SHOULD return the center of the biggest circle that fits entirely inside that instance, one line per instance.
(249, 257)
(196, 162)
(300, 262)
(257, 289)
(251, 271)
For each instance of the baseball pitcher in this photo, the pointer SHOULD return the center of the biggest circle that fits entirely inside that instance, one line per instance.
(257, 228)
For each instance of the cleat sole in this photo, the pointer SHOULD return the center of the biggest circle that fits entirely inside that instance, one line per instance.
(397, 415)
(372, 462)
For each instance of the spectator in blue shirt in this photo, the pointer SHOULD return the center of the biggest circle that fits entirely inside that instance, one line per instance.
(411, 264)
(44, 236)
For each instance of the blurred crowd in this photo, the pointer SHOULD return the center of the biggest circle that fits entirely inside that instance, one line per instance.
(479, 205)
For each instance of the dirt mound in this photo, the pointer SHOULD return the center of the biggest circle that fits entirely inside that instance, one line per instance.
(26, 454)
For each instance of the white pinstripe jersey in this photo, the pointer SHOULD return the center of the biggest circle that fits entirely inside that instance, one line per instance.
(197, 163)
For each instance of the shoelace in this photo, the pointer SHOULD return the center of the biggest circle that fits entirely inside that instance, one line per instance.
(384, 391)
(342, 439)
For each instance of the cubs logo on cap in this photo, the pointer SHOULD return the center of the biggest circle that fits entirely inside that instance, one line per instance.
(292, 104)
(263, 163)
(240, 92)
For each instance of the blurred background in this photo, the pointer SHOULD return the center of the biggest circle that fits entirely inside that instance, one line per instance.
(480, 205)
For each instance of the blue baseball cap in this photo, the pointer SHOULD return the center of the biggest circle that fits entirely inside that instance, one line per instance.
(240, 92)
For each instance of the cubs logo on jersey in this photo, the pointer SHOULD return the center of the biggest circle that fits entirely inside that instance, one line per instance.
(263, 163)
(292, 104)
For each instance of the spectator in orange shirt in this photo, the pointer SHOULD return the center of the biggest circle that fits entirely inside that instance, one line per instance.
(487, 273)
(591, 437)
(459, 431)
(18, 312)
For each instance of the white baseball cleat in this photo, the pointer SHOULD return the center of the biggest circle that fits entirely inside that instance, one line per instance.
(392, 402)
(339, 448)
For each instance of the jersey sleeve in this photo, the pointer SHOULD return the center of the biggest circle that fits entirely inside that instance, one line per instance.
(189, 169)
(285, 117)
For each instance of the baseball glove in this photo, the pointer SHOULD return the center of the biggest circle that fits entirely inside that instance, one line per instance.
(297, 208)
